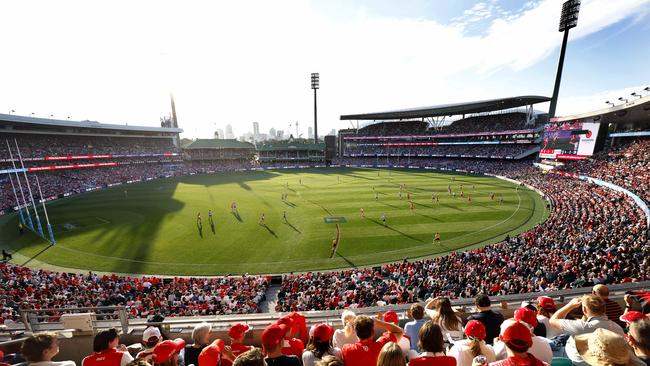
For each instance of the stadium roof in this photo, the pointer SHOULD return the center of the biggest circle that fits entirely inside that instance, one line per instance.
(219, 144)
(451, 109)
(81, 124)
(290, 146)
(637, 110)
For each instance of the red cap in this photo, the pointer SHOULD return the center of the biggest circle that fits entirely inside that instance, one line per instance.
(323, 332)
(632, 316)
(475, 329)
(527, 316)
(519, 333)
(273, 335)
(165, 349)
(391, 317)
(211, 355)
(286, 322)
(546, 303)
(238, 330)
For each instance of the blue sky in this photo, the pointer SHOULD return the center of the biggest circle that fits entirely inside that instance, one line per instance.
(235, 62)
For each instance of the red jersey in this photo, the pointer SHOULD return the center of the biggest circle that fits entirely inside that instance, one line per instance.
(237, 349)
(433, 361)
(365, 352)
(292, 347)
(109, 357)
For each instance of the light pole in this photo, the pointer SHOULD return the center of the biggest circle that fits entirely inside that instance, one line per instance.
(568, 20)
(315, 80)
(635, 94)
(623, 99)
(608, 102)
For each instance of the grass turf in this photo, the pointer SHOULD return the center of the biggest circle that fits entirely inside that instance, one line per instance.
(154, 230)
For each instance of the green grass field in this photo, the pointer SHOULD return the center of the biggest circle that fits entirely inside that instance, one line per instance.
(154, 230)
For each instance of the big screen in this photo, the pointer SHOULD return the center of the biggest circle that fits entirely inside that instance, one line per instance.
(569, 140)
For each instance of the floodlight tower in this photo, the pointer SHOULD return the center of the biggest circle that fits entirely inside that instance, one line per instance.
(315, 80)
(568, 20)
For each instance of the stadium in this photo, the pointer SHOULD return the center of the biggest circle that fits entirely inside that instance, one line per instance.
(480, 232)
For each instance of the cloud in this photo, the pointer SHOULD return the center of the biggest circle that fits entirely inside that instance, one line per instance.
(235, 62)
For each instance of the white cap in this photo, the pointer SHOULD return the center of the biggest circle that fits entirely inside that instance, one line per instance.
(150, 332)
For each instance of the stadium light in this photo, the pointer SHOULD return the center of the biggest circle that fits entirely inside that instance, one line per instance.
(635, 94)
(623, 99)
(315, 81)
(608, 102)
(568, 20)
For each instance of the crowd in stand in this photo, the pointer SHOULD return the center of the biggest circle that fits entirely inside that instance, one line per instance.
(627, 165)
(591, 330)
(500, 150)
(39, 146)
(491, 122)
(141, 296)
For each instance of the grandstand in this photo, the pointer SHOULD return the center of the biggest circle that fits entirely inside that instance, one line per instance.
(291, 153)
(491, 129)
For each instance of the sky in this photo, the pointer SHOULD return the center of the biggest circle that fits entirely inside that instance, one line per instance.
(241, 61)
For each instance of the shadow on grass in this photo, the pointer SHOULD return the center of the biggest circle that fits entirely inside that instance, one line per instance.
(37, 254)
(347, 260)
(269, 230)
(237, 216)
(290, 204)
(395, 230)
(293, 227)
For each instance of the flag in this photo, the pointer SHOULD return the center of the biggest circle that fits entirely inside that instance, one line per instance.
(642, 297)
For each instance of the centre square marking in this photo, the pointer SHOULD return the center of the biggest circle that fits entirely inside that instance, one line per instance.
(335, 220)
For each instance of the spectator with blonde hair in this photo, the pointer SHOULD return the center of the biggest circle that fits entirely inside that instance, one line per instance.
(391, 355)
(345, 335)
(465, 350)
(200, 339)
(40, 348)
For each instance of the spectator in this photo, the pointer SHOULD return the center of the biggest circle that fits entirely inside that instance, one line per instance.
(330, 361)
(200, 339)
(391, 317)
(540, 347)
(412, 328)
(290, 345)
(319, 345)
(272, 338)
(213, 354)
(166, 353)
(40, 348)
(612, 309)
(445, 316)
(490, 319)
(106, 352)
(237, 333)
(594, 309)
(345, 335)
(465, 350)
(252, 357)
(518, 339)
(632, 316)
(432, 345)
(545, 309)
(391, 355)
(638, 338)
(150, 337)
(603, 347)
(366, 351)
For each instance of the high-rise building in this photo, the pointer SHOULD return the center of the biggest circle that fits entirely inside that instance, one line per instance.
(218, 134)
(310, 132)
(272, 134)
(280, 135)
(229, 133)
(333, 132)
(256, 130)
